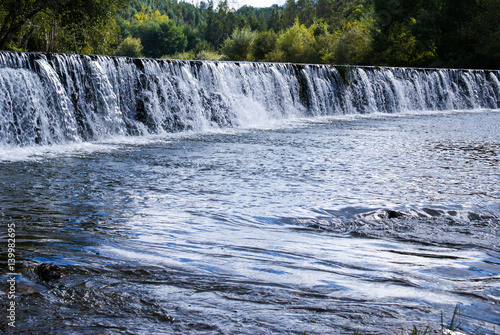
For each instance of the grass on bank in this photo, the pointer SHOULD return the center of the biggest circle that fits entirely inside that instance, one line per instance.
(452, 328)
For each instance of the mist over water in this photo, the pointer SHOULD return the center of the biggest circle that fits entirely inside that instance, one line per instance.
(208, 198)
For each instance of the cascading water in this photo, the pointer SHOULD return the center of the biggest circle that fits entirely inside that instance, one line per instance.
(57, 98)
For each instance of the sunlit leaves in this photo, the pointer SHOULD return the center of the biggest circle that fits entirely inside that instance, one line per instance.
(147, 14)
(130, 47)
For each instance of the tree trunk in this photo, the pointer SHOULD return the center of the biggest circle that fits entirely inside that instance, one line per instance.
(18, 16)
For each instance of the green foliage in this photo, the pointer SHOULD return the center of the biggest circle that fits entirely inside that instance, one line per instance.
(193, 36)
(60, 25)
(159, 37)
(485, 32)
(208, 55)
(264, 45)
(438, 33)
(221, 23)
(455, 320)
(201, 54)
(239, 46)
(351, 45)
(89, 27)
(296, 43)
(181, 55)
(130, 47)
(275, 21)
(449, 33)
(147, 14)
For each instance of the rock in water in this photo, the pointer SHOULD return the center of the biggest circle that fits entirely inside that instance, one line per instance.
(47, 272)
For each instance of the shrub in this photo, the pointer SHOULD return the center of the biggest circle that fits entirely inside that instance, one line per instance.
(238, 47)
(159, 37)
(297, 44)
(264, 44)
(130, 47)
(351, 45)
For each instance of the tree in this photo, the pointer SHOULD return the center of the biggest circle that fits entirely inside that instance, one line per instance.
(214, 29)
(82, 23)
(264, 44)
(324, 8)
(159, 38)
(261, 22)
(351, 45)
(457, 45)
(147, 14)
(130, 47)
(220, 23)
(89, 26)
(305, 11)
(395, 41)
(449, 33)
(291, 12)
(239, 46)
(274, 22)
(438, 32)
(252, 21)
(485, 32)
(193, 36)
(297, 43)
(16, 14)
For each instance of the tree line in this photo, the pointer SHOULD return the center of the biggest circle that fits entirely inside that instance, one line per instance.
(424, 33)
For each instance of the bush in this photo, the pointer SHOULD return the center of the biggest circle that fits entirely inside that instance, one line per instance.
(351, 45)
(201, 55)
(130, 47)
(238, 47)
(264, 45)
(297, 44)
(275, 56)
(181, 55)
(208, 55)
(159, 38)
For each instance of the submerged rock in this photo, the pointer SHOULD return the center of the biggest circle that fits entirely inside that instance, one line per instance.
(48, 272)
(383, 214)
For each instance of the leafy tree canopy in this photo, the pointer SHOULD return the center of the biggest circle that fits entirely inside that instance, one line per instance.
(446, 33)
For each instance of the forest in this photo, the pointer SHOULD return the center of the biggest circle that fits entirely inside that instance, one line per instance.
(421, 33)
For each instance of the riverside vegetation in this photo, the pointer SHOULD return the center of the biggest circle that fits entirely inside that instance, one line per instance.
(425, 33)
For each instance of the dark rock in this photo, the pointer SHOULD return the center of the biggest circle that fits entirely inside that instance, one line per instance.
(47, 272)
(393, 214)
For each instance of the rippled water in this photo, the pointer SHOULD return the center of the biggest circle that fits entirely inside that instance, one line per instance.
(322, 225)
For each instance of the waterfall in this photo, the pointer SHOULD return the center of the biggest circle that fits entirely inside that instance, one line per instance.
(59, 98)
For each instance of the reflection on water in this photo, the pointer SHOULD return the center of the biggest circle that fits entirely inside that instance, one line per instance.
(326, 226)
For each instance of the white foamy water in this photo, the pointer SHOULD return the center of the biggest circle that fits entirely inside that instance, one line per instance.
(58, 99)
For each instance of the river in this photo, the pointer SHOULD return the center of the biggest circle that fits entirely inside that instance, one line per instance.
(308, 223)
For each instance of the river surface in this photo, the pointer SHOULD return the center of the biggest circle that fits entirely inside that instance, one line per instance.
(324, 226)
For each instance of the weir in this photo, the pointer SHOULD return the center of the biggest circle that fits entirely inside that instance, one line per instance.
(61, 98)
